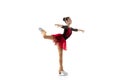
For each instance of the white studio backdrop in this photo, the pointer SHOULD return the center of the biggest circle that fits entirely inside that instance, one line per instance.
(93, 55)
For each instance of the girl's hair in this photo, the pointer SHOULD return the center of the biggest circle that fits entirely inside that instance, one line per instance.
(65, 18)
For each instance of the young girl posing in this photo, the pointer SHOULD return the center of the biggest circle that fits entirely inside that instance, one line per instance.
(60, 40)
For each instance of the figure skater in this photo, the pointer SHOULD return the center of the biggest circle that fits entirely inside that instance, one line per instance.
(60, 40)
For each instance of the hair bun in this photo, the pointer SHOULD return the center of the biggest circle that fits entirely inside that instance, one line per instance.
(64, 19)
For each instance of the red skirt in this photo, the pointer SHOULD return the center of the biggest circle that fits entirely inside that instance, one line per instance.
(59, 39)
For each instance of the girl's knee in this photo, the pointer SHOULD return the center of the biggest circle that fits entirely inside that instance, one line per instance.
(44, 37)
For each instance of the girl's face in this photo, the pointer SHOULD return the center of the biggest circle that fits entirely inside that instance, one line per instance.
(69, 21)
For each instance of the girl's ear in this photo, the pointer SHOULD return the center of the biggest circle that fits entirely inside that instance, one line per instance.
(65, 21)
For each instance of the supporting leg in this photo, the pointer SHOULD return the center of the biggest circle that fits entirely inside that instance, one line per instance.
(60, 50)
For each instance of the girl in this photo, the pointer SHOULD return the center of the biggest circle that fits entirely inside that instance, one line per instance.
(60, 40)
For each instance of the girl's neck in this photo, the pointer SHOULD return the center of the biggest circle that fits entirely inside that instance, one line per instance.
(68, 25)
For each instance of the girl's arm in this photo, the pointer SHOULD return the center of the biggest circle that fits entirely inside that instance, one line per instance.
(58, 25)
(80, 30)
(74, 29)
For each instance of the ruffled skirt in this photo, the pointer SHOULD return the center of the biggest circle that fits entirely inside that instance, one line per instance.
(59, 40)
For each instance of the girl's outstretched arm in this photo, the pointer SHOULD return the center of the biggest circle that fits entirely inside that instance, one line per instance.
(58, 25)
(74, 29)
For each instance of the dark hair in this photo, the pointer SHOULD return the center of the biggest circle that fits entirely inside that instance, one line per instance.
(65, 18)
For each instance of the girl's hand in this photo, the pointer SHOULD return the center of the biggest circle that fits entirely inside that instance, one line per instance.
(56, 24)
(81, 30)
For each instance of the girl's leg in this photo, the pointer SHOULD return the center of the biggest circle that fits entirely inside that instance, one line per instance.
(60, 50)
(46, 36)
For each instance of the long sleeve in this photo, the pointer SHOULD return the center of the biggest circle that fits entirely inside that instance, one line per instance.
(74, 29)
(64, 27)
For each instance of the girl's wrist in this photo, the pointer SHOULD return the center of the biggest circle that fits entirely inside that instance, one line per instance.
(80, 30)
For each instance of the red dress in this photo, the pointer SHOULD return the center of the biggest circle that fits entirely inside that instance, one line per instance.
(60, 39)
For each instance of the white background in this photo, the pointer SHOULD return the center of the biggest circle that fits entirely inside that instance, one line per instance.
(93, 55)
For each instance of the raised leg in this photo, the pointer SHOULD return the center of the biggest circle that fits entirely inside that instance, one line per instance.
(46, 36)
